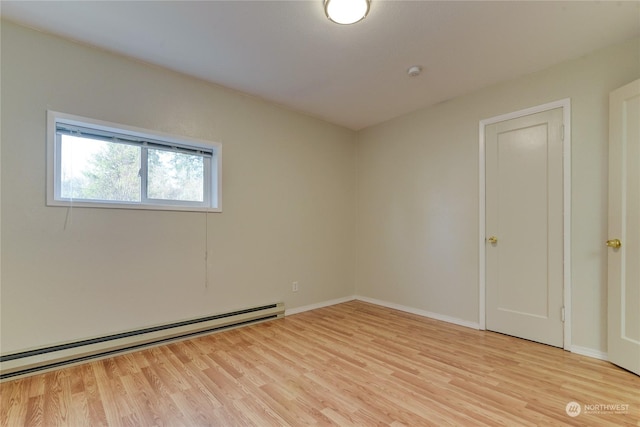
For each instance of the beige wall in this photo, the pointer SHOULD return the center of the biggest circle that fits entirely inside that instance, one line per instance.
(294, 189)
(418, 193)
(288, 201)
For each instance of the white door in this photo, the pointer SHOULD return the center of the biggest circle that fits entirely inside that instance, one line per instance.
(624, 227)
(524, 227)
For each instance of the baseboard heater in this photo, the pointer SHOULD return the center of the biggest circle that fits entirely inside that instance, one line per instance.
(32, 361)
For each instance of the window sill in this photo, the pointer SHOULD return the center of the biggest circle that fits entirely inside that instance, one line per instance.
(131, 206)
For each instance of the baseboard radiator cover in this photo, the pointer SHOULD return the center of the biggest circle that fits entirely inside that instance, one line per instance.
(32, 361)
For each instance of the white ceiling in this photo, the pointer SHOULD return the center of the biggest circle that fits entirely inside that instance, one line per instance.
(288, 52)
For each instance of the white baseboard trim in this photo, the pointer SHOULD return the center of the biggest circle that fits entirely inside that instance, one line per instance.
(322, 304)
(584, 351)
(589, 352)
(423, 313)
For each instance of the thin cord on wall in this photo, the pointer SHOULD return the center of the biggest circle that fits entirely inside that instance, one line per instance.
(67, 218)
(206, 250)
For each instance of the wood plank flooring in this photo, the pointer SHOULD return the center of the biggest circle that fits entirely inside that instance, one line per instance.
(352, 364)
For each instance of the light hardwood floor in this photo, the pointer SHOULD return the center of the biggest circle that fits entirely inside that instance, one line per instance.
(348, 364)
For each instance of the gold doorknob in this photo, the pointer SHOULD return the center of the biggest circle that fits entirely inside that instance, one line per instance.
(493, 240)
(614, 243)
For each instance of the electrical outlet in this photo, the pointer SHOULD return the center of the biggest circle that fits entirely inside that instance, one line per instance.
(294, 287)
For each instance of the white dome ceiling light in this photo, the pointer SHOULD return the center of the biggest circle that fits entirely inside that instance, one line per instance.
(346, 11)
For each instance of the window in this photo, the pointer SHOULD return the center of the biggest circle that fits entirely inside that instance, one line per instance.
(99, 164)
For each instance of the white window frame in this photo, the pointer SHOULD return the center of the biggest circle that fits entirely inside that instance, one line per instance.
(212, 166)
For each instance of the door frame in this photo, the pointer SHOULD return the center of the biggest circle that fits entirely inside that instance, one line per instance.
(565, 104)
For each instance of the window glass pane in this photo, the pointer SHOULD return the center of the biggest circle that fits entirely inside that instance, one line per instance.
(175, 176)
(106, 165)
(99, 170)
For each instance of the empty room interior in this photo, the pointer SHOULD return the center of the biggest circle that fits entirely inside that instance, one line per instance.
(230, 213)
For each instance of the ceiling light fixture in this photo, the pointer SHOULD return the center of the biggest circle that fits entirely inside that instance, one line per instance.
(346, 11)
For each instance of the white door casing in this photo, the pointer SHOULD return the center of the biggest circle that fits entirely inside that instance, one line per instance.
(525, 205)
(624, 227)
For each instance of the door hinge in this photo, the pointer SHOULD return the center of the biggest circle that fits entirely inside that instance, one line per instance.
(563, 314)
(562, 132)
